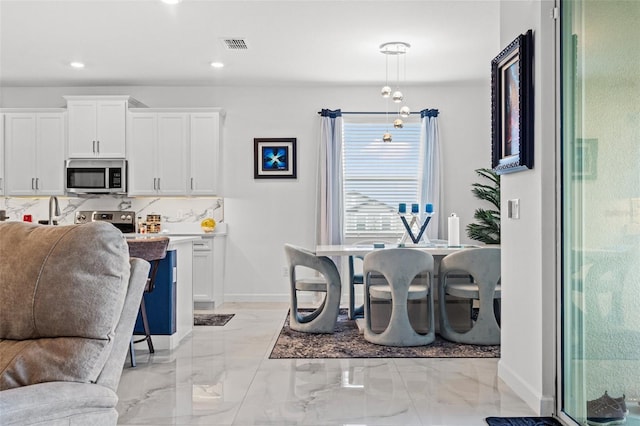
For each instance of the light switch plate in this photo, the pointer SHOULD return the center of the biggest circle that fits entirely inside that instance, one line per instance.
(513, 209)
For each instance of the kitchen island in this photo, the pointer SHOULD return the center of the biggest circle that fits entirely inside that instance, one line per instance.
(172, 302)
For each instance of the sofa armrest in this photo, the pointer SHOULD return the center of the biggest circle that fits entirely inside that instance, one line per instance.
(112, 370)
(54, 403)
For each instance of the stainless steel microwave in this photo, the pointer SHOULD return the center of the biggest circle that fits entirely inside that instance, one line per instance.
(96, 176)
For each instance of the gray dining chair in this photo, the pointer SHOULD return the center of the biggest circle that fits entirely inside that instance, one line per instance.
(321, 319)
(356, 277)
(483, 265)
(399, 267)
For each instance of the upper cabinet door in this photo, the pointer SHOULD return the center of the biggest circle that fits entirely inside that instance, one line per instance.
(82, 129)
(21, 154)
(142, 136)
(50, 153)
(172, 153)
(111, 128)
(97, 128)
(205, 154)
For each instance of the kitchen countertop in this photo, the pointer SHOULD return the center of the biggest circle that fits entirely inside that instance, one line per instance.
(173, 239)
(191, 229)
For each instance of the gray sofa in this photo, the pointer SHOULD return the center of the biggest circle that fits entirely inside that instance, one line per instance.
(69, 298)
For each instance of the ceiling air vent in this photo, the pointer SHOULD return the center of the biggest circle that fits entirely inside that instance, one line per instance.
(235, 44)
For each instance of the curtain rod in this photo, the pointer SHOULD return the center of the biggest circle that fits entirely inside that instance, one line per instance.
(371, 112)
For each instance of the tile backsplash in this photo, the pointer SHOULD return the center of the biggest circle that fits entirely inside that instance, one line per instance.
(172, 210)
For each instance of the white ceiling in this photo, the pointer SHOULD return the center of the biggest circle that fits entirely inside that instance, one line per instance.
(295, 42)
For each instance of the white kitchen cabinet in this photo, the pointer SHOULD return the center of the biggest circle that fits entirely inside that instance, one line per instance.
(34, 153)
(203, 270)
(97, 126)
(208, 271)
(205, 164)
(187, 147)
(158, 153)
(2, 154)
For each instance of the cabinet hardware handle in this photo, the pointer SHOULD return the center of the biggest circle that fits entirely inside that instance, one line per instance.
(37, 183)
(154, 184)
(98, 146)
(93, 147)
(192, 184)
(0, 183)
(158, 184)
(33, 183)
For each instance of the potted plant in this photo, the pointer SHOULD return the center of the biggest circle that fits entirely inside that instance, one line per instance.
(487, 230)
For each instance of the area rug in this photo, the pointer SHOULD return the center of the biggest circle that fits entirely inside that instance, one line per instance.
(522, 421)
(211, 319)
(347, 342)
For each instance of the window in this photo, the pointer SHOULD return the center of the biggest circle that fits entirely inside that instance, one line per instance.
(377, 176)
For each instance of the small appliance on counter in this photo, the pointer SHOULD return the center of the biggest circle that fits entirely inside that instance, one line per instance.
(125, 221)
(152, 224)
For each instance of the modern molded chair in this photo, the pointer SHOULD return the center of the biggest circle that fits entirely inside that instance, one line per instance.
(399, 266)
(357, 278)
(153, 250)
(323, 318)
(483, 265)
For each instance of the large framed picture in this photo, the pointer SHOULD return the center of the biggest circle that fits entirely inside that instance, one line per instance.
(512, 106)
(274, 158)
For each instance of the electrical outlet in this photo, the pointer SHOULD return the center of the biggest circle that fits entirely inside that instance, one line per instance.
(285, 271)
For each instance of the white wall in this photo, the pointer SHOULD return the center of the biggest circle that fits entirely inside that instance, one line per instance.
(528, 352)
(262, 215)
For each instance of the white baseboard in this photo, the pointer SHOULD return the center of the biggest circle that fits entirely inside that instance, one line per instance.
(541, 404)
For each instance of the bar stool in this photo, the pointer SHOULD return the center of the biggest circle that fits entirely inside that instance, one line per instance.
(153, 250)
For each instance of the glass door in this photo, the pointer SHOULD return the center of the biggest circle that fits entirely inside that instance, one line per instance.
(600, 325)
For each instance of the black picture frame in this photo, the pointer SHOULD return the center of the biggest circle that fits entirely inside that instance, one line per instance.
(274, 158)
(512, 106)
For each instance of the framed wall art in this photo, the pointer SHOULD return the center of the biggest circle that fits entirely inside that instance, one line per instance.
(274, 158)
(512, 106)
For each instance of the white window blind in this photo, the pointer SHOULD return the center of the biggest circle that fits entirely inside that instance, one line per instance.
(378, 176)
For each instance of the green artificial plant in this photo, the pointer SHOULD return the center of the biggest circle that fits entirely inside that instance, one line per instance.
(487, 230)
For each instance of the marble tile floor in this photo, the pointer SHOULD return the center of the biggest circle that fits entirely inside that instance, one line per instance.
(222, 376)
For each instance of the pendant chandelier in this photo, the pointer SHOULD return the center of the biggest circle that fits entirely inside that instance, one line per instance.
(397, 49)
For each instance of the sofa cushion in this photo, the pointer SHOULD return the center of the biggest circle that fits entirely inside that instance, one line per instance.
(62, 291)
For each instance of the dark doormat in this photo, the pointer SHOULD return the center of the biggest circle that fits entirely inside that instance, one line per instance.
(211, 319)
(347, 342)
(522, 421)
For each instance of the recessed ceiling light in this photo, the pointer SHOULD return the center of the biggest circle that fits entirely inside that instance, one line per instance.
(217, 64)
(76, 64)
(171, 1)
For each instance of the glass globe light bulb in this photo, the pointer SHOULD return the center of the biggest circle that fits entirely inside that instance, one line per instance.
(405, 111)
(385, 92)
(397, 96)
(397, 123)
(386, 137)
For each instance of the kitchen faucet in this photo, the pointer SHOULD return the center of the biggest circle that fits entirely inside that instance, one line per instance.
(54, 208)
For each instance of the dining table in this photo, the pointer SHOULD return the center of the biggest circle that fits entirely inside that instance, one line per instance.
(437, 248)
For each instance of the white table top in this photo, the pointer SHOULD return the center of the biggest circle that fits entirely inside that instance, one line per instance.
(363, 249)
